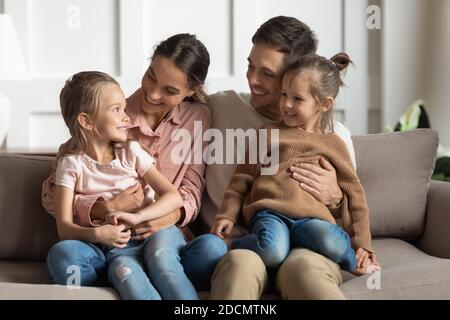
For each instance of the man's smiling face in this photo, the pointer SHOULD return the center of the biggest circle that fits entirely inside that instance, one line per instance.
(265, 68)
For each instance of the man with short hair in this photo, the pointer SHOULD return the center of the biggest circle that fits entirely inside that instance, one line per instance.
(241, 274)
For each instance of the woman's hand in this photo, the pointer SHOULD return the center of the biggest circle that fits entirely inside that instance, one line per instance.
(130, 219)
(129, 200)
(222, 228)
(113, 235)
(149, 227)
(320, 182)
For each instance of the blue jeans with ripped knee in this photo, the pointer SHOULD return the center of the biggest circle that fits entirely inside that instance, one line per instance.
(152, 269)
(273, 235)
(125, 272)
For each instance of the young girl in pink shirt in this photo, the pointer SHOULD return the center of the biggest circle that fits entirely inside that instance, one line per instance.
(98, 160)
(170, 98)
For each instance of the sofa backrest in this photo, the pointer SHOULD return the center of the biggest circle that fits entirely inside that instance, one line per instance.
(26, 231)
(395, 170)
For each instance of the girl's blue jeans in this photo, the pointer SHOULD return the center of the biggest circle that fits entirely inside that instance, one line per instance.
(162, 266)
(273, 234)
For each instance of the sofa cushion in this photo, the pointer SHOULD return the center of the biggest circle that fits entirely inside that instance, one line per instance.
(395, 170)
(23, 272)
(26, 231)
(407, 273)
(25, 291)
(28, 280)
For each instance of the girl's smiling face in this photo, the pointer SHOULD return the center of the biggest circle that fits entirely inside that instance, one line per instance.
(297, 106)
(111, 121)
(164, 86)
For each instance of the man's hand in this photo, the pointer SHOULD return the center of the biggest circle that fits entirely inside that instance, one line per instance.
(147, 228)
(129, 200)
(320, 182)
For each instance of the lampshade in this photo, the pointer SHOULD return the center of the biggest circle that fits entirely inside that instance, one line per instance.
(12, 63)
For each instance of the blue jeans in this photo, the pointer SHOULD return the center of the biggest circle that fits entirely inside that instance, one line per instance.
(126, 272)
(159, 254)
(273, 234)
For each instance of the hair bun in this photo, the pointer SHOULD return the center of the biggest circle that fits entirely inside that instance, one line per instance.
(341, 61)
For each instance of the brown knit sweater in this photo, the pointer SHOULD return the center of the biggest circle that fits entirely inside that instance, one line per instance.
(251, 192)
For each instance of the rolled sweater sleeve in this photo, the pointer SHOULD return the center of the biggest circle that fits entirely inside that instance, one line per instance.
(355, 211)
(342, 132)
(240, 185)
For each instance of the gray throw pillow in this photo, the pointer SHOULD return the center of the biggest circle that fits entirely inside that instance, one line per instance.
(395, 170)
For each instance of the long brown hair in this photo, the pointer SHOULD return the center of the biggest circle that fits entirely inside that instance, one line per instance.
(325, 79)
(191, 56)
(81, 93)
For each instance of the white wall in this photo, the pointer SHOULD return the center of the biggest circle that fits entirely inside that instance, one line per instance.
(117, 36)
(355, 95)
(403, 37)
(416, 61)
(374, 52)
(60, 48)
(61, 37)
(437, 65)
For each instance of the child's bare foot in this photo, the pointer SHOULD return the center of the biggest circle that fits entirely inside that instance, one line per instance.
(360, 271)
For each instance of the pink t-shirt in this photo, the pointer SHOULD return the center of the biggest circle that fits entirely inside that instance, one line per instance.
(187, 177)
(86, 176)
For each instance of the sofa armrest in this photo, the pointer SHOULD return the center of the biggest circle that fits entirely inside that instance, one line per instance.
(436, 237)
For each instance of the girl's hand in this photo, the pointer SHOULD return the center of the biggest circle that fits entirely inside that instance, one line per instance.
(113, 235)
(147, 228)
(222, 228)
(374, 261)
(131, 219)
(320, 182)
(366, 260)
(362, 258)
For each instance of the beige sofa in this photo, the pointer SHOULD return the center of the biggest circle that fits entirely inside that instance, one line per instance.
(410, 222)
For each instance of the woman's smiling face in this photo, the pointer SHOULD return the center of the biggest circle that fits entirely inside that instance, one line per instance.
(164, 86)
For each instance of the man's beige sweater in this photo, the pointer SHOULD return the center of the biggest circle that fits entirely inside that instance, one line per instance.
(251, 192)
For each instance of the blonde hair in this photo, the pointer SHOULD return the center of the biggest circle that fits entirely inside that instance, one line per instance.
(325, 79)
(80, 94)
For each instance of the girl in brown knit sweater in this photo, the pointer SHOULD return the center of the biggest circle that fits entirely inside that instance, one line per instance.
(280, 214)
